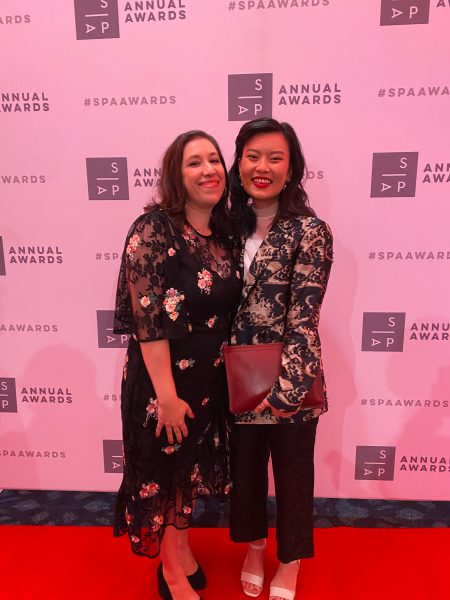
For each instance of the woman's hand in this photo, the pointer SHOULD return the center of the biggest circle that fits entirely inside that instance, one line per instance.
(171, 414)
(275, 412)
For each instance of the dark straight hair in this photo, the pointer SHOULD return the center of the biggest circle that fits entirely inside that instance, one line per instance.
(293, 199)
(172, 193)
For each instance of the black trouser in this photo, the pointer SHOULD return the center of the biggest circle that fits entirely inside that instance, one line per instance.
(292, 449)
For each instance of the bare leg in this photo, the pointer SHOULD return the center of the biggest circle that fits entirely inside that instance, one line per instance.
(254, 568)
(172, 568)
(286, 579)
(187, 559)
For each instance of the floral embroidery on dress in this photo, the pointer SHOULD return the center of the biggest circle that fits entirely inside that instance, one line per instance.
(185, 363)
(128, 518)
(157, 521)
(189, 236)
(147, 300)
(151, 410)
(172, 300)
(217, 260)
(238, 275)
(211, 321)
(125, 367)
(159, 298)
(201, 438)
(219, 359)
(195, 474)
(133, 244)
(148, 490)
(204, 281)
(228, 488)
(170, 449)
(202, 489)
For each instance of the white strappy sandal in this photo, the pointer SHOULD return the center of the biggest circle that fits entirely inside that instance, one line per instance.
(257, 580)
(284, 593)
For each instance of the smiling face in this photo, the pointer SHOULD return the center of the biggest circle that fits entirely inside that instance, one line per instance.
(265, 167)
(203, 174)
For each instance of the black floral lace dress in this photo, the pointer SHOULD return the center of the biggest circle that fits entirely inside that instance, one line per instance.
(183, 288)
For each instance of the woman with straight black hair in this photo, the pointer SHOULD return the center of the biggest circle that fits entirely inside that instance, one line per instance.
(286, 258)
(178, 287)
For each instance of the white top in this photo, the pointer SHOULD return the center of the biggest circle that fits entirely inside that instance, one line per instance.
(251, 248)
(264, 220)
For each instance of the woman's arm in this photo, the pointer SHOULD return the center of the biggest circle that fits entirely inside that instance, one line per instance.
(146, 266)
(301, 357)
(171, 409)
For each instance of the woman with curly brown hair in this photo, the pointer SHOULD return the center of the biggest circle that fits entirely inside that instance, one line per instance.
(178, 286)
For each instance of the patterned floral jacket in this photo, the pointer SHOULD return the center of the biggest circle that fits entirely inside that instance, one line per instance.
(281, 302)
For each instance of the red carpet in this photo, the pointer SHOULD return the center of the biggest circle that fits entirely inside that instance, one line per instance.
(56, 563)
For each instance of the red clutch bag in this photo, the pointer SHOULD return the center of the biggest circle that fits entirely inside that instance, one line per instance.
(251, 372)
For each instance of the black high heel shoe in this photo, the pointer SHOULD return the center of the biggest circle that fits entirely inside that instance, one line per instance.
(197, 581)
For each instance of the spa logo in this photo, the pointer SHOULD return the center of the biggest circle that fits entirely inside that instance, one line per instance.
(394, 174)
(383, 332)
(2, 258)
(375, 463)
(249, 96)
(106, 337)
(96, 19)
(405, 12)
(8, 397)
(113, 456)
(107, 178)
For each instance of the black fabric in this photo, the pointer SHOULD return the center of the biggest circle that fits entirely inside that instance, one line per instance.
(291, 447)
(184, 288)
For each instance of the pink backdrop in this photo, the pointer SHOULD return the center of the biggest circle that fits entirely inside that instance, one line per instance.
(366, 86)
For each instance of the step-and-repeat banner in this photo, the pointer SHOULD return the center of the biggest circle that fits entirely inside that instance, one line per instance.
(91, 94)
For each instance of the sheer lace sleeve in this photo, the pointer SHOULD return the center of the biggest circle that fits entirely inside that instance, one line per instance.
(148, 305)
